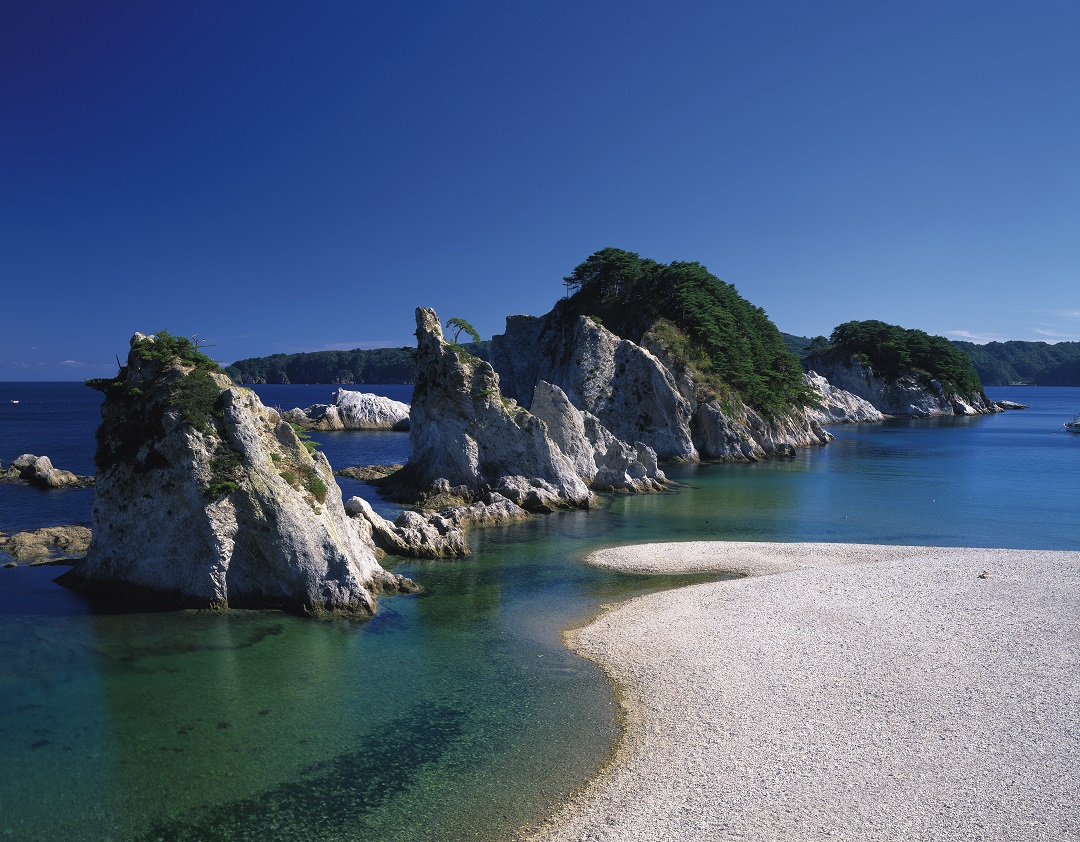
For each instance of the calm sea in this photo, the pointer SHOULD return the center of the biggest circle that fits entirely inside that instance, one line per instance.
(454, 715)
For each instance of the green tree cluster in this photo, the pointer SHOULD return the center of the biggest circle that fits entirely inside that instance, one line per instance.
(729, 340)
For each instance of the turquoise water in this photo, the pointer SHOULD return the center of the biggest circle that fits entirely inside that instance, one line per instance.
(456, 714)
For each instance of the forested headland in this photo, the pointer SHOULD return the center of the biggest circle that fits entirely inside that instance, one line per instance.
(378, 365)
(893, 351)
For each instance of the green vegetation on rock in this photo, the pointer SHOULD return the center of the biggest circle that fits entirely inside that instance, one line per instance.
(732, 346)
(893, 351)
(177, 377)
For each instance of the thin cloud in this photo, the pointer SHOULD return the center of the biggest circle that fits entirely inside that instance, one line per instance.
(73, 364)
(977, 338)
(1056, 335)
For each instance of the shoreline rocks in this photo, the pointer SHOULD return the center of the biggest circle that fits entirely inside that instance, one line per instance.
(39, 472)
(904, 395)
(838, 406)
(51, 544)
(433, 534)
(368, 473)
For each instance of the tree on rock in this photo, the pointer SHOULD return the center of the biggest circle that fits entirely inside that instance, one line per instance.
(458, 325)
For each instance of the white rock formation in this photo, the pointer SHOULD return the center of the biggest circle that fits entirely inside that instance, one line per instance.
(837, 406)
(623, 385)
(905, 395)
(432, 535)
(603, 461)
(639, 392)
(217, 510)
(352, 410)
(466, 441)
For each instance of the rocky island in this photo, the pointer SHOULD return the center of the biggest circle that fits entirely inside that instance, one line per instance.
(352, 410)
(206, 498)
(670, 356)
(900, 372)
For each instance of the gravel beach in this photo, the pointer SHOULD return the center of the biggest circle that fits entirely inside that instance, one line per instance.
(920, 693)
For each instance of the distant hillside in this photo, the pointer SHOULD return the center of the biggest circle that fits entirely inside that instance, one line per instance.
(798, 345)
(1015, 363)
(379, 365)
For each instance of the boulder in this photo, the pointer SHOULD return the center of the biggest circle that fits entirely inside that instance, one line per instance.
(206, 498)
(39, 472)
(468, 440)
(1010, 405)
(353, 410)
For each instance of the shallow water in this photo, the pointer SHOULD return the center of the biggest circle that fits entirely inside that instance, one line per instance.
(454, 715)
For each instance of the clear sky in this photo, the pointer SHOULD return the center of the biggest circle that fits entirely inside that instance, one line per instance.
(283, 176)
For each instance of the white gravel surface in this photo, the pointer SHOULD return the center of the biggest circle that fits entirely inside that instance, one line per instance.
(903, 697)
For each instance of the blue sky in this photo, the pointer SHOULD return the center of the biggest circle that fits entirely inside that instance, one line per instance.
(281, 176)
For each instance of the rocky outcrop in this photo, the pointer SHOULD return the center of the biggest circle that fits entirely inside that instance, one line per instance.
(624, 386)
(432, 535)
(50, 544)
(468, 440)
(39, 472)
(907, 394)
(640, 393)
(835, 406)
(1010, 405)
(368, 473)
(601, 460)
(206, 498)
(352, 410)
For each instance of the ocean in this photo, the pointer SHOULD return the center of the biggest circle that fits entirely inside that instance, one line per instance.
(456, 714)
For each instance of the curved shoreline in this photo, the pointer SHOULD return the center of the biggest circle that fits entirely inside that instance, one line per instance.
(907, 698)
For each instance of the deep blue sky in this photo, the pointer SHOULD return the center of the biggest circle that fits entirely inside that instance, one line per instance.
(283, 176)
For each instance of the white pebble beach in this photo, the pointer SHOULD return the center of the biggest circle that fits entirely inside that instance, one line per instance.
(918, 693)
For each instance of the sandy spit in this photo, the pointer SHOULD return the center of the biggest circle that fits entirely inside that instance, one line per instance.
(905, 697)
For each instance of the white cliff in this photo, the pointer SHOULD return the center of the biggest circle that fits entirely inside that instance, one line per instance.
(907, 394)
(601, 460)
(835, 406)
(467, 440)
(641, 393)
